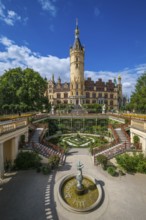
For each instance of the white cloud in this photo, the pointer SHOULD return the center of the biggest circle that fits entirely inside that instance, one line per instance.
(22, 56)
(48, 5)
(5, 41)
(8, 16)
(15, 56)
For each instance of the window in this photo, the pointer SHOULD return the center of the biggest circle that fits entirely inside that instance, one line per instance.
(111, 102)
(76, 65)
(87, 95)
(65, 95)
(105, 95)
(58, 96)
(111, 96)
(94, 95)
(77, 59)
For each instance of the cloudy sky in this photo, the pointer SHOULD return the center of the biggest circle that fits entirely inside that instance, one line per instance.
(39, 33)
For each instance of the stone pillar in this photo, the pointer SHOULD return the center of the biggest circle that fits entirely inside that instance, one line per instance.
(144, 146)
(26, 136)
(1, 160)
(131, 136)
(15, 142)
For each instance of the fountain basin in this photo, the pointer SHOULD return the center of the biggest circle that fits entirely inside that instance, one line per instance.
(75, 201)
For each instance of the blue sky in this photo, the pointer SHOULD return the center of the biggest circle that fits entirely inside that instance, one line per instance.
(39, 33)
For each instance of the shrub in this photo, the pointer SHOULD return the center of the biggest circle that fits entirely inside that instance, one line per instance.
(54, 161)
(46, 170)
(102, 159)
(27, 160)
(136, 139)
(111, 170)
(134, 163)
(141, 167)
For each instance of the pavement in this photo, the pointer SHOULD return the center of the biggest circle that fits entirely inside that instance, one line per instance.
(33, 196)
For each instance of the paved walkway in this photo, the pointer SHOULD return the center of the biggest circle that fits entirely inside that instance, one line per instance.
(33, 196)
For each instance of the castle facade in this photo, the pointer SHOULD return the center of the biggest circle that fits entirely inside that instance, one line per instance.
(80, 90)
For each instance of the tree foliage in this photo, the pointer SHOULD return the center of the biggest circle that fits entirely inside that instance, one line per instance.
(22, 90)
(138, 98)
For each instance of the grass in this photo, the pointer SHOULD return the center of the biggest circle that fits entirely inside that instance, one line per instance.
(88, 198)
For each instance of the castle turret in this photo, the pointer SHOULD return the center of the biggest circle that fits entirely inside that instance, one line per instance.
(77, 70)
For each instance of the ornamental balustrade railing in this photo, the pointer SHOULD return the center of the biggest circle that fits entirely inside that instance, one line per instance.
(12, 126)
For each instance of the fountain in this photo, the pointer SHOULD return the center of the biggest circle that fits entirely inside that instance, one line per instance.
(79, 193)
(79, 178)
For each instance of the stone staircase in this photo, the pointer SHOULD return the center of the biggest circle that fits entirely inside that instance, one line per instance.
(45, 151)
(121, 135)
(36, 135)
(78, 110)
(117, 149)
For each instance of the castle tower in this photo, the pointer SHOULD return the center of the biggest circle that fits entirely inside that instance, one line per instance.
(77, 70)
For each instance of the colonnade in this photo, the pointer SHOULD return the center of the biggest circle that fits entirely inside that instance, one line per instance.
(9, 143)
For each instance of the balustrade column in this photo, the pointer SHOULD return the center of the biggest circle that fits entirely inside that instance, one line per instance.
(1, 160)
(15, 142)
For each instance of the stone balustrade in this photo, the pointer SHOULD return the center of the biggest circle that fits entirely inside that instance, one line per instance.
(138, 124)
(12, 125)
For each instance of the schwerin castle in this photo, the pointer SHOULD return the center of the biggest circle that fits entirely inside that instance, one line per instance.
(80, 90)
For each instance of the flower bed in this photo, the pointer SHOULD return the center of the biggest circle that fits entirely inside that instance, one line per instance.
(81, 141)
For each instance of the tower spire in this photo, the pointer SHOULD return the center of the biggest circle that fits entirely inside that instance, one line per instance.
(76, 22)
(77, 29)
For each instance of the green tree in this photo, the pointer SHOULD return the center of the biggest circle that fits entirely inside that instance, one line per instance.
(23, 90)
(138, 98)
